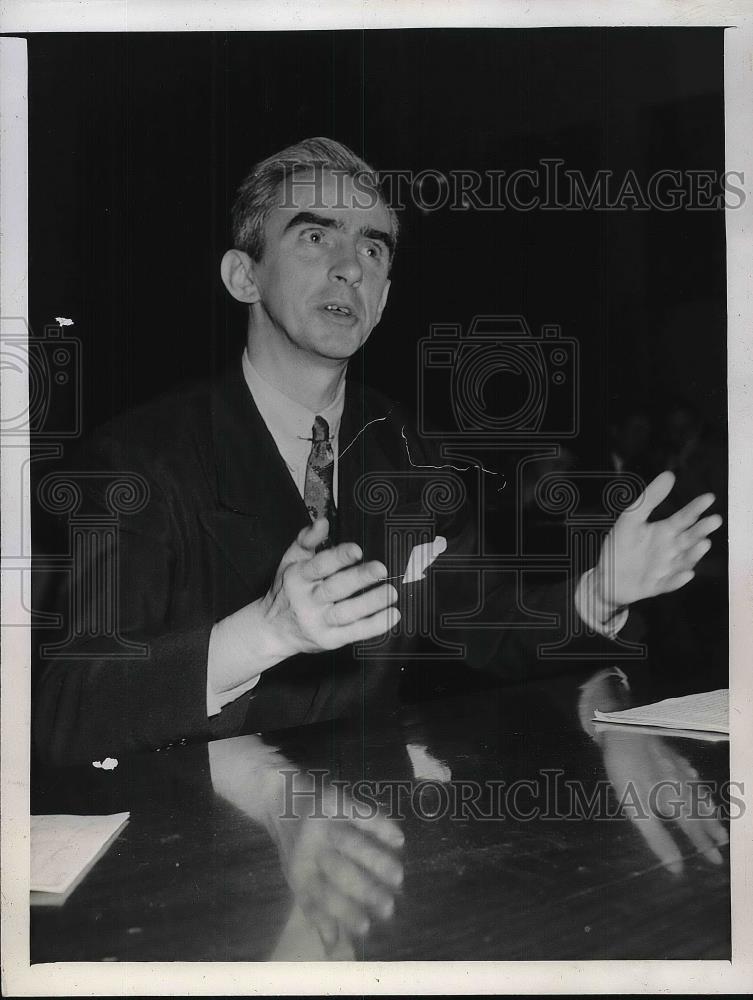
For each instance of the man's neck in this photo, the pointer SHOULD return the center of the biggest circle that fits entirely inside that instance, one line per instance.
(310, 382)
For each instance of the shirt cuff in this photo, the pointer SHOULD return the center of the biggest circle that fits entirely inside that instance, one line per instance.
(585, 605)
(224, 643)
(249, 773)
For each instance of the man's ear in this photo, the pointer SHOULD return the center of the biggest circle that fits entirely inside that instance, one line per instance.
(237, 270)
(382, 301)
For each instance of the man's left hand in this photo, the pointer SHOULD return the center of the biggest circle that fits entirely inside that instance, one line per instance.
(641, 559)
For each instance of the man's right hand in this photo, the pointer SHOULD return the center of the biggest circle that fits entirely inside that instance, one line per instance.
(314, 604)
(315, 601)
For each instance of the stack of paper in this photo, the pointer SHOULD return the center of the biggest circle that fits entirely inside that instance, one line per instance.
(64, 848)
(703, 713)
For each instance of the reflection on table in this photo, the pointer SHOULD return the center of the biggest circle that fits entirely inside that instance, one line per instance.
(502, 825)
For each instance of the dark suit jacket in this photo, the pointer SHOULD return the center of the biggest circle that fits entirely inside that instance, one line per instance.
(222, 509)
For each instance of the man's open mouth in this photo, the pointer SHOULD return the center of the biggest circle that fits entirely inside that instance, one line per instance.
(339, 310)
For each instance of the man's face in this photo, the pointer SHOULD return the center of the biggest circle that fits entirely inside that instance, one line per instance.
(322, 281)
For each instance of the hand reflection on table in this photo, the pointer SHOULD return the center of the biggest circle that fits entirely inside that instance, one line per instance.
(646, 771)
(343, 870)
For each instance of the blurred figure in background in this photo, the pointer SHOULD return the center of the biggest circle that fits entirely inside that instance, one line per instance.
(630, 440)
(689, 446)
(692, 623)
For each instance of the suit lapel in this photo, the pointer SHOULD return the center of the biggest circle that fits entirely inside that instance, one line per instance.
(252, 477)
(260, 509)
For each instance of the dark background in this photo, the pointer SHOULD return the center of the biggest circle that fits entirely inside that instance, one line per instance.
(138, 141)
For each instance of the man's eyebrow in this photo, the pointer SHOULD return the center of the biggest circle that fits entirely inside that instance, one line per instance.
(312, 219)
(326, 222)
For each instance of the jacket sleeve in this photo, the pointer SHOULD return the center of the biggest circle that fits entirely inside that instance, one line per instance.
(123, 672)
(520, 619)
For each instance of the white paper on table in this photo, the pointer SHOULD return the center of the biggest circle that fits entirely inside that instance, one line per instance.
(64, 848)
(422, 557)
(706, 712)
(687, 734)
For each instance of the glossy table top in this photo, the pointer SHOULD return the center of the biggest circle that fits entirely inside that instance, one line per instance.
(499, 835)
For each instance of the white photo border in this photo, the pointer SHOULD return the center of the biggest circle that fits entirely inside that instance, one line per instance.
(201, 979)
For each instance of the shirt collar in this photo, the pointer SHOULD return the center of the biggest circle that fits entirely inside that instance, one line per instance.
(284, 415)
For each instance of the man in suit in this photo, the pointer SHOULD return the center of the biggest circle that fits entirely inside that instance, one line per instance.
(256, 564)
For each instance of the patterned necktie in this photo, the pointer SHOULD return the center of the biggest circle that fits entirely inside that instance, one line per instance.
(317, 492)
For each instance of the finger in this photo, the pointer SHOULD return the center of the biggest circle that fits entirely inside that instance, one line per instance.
(380, 827)
(696, 832)
(332, 560)
(675, 581)
(718, 831)
(346, 612)
(346, 582)
(341, 907)
(665, 804)
(313, 534)
(305, 543)
(660, 842)
(380, 863)
(325, 925)
(352, 881)
(700, 530)
(656, 491)
(687, 559)
(376, 825)
(711, 825)
(690, 513)
(369, 628)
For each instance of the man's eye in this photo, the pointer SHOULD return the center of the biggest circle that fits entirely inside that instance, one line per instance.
(313, 236)
(374, 250)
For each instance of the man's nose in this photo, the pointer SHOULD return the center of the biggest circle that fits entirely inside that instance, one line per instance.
(345, 265)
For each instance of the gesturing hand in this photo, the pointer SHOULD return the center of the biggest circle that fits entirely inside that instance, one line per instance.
(311, 604)
(641, 559)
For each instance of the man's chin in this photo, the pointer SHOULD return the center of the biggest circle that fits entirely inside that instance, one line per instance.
(335, 358)
(338, 348)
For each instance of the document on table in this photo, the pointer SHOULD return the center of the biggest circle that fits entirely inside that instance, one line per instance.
(707, 713)
(689, 734)
(64, 848)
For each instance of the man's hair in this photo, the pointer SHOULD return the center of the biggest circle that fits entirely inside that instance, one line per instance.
(260, 191)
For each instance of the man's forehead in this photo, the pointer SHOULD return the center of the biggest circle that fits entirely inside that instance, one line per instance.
(333, 192)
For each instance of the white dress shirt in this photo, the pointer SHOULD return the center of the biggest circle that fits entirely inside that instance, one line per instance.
(291, 425)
